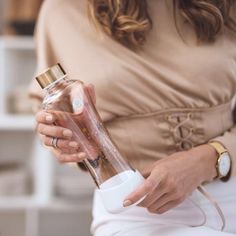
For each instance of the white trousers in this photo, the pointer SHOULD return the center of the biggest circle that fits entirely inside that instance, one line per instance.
(185, 219)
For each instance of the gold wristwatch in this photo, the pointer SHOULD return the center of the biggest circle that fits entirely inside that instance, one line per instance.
(223, 164)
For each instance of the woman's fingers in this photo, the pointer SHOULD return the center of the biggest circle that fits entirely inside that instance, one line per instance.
(166, 207)
(61, 143)
(154, 196)
(54, 131)
(147, 187)
(66, 149)
(161, 202)
(68, 158)
(45, 117)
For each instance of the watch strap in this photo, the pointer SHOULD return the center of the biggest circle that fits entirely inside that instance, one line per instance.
(220, 149)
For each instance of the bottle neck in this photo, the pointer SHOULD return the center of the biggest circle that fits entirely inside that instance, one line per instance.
(57, 85)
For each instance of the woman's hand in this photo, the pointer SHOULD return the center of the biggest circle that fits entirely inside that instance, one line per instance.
(67, 149)
(172, 179)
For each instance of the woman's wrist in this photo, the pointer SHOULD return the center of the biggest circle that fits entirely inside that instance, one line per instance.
(207, 158)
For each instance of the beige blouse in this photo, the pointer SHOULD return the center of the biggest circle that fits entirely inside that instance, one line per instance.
(171, 95)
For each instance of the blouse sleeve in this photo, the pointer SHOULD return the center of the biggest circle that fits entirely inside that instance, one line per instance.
(44, 53)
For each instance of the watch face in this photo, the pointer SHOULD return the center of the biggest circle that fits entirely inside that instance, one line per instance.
(224, 164)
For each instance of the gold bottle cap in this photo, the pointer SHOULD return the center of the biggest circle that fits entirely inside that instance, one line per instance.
(51, 75)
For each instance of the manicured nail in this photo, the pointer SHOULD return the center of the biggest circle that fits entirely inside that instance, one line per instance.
(67, 133)
(127, 203)
(49, 118)
(73, 144)
(82, 155)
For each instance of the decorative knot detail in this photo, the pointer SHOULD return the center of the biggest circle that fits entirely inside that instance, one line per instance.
(182, 133)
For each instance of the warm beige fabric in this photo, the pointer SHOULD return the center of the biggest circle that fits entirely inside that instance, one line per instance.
(147, 99)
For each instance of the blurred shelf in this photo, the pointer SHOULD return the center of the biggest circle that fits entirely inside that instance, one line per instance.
(17, 66)
(19, 42)
(27, 202)
(17, 122)
(17, 202)
(81, 204)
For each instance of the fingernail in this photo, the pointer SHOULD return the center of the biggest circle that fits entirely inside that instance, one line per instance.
(127, 203)
(73, 144)
(82, 155)
(49, 118)
(67, 133)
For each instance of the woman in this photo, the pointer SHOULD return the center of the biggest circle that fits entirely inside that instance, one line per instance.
(164, 73)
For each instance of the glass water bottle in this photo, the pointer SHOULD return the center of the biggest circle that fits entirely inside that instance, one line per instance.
(73, 108)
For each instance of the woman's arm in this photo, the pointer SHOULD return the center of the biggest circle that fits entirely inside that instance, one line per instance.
(68, 150)
(172, 179)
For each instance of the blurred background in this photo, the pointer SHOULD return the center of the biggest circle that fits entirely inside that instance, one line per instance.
(38, 196)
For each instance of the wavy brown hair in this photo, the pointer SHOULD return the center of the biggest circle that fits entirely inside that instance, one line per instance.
(128, 21)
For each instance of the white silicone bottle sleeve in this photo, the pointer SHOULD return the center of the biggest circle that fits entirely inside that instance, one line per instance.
(113, 196)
